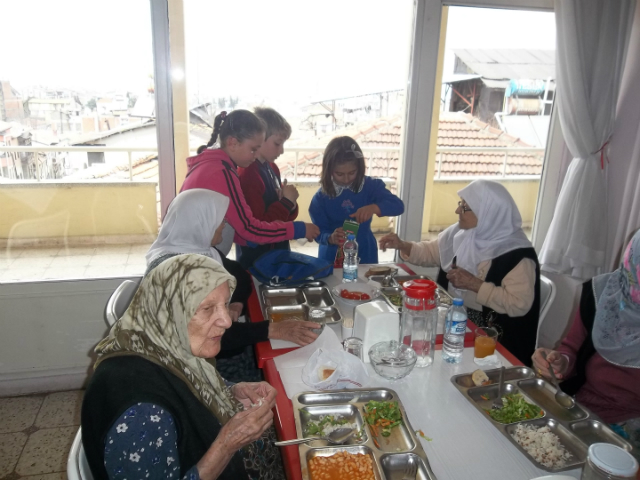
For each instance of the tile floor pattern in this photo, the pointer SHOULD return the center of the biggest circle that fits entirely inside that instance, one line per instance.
(36, 433)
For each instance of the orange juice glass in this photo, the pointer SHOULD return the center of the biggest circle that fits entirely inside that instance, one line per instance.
(485, 342)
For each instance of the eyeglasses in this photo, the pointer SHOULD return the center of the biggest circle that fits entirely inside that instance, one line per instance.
(465, 208)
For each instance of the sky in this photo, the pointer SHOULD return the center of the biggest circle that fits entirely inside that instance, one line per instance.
(289, 49)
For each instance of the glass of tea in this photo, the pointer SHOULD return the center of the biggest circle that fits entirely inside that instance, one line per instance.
(485, 342)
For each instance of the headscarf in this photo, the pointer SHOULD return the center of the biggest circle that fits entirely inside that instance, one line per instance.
(616, 327)
(190, 223)
(155, 327)
(499, 228)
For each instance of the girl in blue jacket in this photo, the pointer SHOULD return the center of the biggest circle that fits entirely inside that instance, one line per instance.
(346, 193)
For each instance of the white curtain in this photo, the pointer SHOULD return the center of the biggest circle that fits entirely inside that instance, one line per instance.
(623, 175)
(591, 46)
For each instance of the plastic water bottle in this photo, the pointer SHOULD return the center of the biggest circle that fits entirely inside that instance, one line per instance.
(350, 263)
(455, 327)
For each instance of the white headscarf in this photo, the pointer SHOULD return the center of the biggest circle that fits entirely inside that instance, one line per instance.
(190, 223)
(499, 228)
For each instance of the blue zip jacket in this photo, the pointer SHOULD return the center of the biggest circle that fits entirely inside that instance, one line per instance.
(330, 213)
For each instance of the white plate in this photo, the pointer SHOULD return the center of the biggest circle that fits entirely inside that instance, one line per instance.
(555, 477)
(355, 287)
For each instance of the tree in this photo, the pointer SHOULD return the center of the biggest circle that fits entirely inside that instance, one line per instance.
(92, 104)
(222, 102)
(133, 98)
(232, 102)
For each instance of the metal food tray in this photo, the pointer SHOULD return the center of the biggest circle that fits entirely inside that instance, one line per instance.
(396, 451)
(396, 288)
(577, 427)
(298, 301)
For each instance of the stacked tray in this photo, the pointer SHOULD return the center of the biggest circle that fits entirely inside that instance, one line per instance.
(391, 455)
(392, 292)
(282, 303)
(577, 428)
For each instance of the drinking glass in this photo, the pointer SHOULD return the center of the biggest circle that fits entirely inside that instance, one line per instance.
(485, 342)
(353, 345)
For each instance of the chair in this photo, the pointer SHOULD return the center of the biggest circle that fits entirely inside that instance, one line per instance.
(77, 465)
(547, 295)
(119, 301)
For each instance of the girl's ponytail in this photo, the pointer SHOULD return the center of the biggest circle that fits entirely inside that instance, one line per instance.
(217, 125)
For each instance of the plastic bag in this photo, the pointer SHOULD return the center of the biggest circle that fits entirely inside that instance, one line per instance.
(334, 370)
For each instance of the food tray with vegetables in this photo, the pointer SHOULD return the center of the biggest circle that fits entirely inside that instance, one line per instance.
(393, 292)
(383, 435)
(284, 303)
(554, 438)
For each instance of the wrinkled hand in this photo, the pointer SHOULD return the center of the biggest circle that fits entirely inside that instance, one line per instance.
(460, 278)
(235, 310)
(392, 240)
(247, 426)
(337, 237)
(290, 192)
(558, 361)
(312, 231)
(249, 393)
(294, 330)
(365, 213)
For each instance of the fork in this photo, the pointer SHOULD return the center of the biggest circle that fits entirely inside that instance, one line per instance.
(410, 471)
(497, 402)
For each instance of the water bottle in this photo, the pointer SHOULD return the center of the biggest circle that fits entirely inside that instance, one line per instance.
(350, 262)
(455, 327)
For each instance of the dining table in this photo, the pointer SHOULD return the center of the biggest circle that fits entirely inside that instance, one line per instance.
(460, 443)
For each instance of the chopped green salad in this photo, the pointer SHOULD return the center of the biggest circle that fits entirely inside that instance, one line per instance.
(327, 424)
(515, 409)
(383, 415)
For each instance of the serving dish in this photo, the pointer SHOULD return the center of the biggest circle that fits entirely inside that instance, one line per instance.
(360, 287)
(391, 454)
(281, 303)
(577, 427)
(395, 288)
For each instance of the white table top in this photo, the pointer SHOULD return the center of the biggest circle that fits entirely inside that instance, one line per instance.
(464, 444)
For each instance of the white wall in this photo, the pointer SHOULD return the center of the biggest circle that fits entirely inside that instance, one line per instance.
(49, 330)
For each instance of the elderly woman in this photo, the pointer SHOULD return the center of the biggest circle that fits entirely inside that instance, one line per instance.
(600, 357)
(155, 408)
(194, 224)
(487, 260)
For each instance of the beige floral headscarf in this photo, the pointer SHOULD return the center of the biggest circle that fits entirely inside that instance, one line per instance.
(155, 327)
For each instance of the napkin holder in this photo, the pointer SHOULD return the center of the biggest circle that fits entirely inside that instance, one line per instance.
(375, 322)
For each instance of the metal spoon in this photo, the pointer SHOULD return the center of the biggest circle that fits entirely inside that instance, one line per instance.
(562, 398)
(337, 437)
(497, 402)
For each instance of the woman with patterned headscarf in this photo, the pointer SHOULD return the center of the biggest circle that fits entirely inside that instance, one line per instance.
(487, 260)
(600, 357)
(155, 408)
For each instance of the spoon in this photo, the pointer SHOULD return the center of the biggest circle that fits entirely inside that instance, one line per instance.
(337, 437)
(562, 398)
(497, 402)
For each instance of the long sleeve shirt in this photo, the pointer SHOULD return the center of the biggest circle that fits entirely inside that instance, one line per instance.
(254, 188)
(330, 213)
(514, 297)
(214, 170)
(611, 391)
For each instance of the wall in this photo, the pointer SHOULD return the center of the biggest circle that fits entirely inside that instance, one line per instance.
(50, 210)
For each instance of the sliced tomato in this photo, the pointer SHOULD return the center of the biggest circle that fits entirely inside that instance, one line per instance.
(344, 293)
(365, 296)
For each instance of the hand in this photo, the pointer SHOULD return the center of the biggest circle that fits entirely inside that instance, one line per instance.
(365, 213)
(312, 231)
(460, 278)
(337, 237)
(290, 192)
(558, 361)
(294, 330)
(279, 192)
(235, 310)
(392, 240)
(251, 393)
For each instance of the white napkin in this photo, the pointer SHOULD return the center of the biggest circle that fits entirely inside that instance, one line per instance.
(490, 361)
(290, 364)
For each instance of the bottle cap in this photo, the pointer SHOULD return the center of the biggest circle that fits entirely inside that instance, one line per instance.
(613, 460)
(351, 236)
(420, 289)
(458, 302)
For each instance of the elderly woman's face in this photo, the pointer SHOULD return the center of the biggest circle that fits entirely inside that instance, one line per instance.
(466, 218)
(209, 323)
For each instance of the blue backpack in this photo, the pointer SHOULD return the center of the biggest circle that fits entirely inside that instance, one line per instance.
(282, 267)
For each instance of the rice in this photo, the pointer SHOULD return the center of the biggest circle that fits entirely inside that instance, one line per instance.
(542, 444)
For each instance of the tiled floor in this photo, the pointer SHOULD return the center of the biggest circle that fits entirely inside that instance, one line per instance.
(32, 264)
(36, 433)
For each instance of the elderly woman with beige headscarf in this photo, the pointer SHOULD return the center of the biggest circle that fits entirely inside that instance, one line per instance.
(155, 408)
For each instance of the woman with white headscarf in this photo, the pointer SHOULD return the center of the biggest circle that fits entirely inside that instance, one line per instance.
(194, 224)
(487, 260)
(155, 407)
(600, 356)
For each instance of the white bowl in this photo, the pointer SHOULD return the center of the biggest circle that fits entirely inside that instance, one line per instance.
(355, 287)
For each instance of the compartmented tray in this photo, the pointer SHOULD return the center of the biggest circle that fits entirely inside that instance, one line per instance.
(395, 288)
(282, 303)
(391, 455)
(577, 427)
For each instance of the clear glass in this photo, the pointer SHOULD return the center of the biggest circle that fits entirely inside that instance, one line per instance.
(591, 472)
(418, 328)
(484, 342)
(353, 345)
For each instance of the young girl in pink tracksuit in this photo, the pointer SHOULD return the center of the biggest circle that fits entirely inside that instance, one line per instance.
(241, 134)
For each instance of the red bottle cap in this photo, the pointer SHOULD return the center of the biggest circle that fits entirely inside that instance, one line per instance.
(421, 289)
